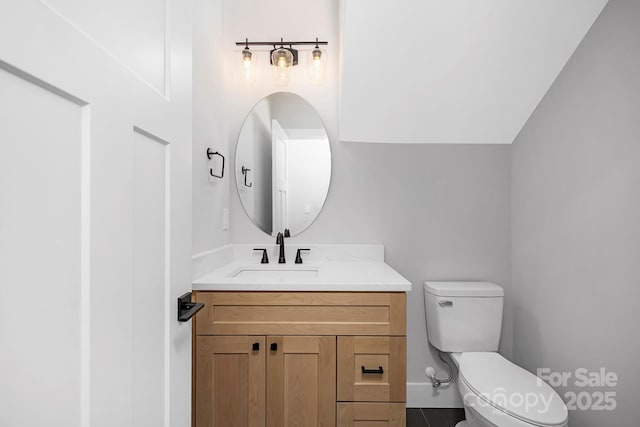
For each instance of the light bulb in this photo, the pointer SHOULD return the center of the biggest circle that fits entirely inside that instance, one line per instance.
(282, 60)
(317, 63)
(248, 67)
(281, 75)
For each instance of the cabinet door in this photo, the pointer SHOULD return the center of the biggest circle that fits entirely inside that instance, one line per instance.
(230, 381)
(301, 381)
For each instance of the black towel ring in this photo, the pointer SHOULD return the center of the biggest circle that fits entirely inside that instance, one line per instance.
(211, 154)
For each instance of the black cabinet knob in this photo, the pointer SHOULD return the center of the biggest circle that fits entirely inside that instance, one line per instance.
(255, 346)
(274, 346)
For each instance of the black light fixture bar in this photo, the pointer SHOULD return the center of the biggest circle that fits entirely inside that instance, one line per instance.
(280, 42)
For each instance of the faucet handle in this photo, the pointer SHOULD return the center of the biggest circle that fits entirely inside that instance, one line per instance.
(265, 257)
(299, 257)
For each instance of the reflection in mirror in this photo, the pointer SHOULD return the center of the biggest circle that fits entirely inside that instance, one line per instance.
(283, 164)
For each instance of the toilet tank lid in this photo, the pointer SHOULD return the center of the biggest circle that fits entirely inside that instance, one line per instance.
(463, 289)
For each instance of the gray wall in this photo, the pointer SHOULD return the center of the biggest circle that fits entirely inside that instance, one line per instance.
(442, 212)
(576, 216)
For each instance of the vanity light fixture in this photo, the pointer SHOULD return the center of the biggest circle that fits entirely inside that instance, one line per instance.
(283, 59)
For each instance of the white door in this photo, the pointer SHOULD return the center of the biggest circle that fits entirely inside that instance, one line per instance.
(95, 199)
(279, 177)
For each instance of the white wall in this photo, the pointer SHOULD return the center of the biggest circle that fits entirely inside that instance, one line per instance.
(455, 71)
(442, 212)
(299, 20)
(210, 195)
(576, 210)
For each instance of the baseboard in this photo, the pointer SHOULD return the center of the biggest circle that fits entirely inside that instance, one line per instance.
(423, 395)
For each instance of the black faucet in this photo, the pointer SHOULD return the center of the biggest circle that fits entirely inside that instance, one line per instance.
(280, 241)
(265, 257)
(298, 257)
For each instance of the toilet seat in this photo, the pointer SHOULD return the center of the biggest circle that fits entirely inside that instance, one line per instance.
(502, 391)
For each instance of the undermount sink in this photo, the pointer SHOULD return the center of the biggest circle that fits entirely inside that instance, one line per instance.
(273, 272)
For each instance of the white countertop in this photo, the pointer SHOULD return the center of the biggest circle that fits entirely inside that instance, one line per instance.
(351, 276)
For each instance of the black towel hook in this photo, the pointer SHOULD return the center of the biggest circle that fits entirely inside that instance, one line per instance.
(245, 172)
(210, 154)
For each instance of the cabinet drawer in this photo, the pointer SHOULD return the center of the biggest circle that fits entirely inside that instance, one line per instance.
(301, 313)
(360, 359)
(371, 415)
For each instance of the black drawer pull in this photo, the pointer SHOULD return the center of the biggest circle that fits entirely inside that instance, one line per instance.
(372, 371)
(274, 346)
(256, 346)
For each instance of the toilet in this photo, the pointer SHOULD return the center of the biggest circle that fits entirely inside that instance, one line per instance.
(464, 319)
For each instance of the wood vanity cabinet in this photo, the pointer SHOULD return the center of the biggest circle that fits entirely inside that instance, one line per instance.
(299, 359)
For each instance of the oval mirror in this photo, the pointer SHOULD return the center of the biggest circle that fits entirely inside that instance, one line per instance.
(283, 164)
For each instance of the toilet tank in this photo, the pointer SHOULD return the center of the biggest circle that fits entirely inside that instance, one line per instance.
(463, 316)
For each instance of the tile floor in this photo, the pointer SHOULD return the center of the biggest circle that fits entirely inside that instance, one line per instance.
(434, 417)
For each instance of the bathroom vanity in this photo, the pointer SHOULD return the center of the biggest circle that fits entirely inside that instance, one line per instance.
(300, 351)
(315, 340)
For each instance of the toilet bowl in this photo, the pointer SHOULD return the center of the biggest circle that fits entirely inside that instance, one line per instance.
(464, 321)
(496, 392)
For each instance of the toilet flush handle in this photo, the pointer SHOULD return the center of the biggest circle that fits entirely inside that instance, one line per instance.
(445, 303)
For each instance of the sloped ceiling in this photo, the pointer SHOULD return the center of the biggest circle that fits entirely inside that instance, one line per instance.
(452, 71)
